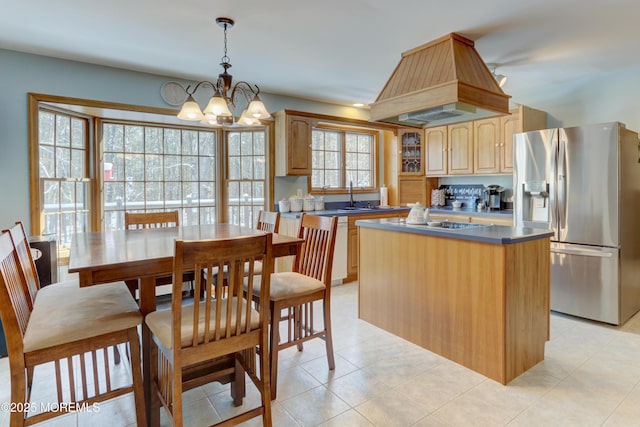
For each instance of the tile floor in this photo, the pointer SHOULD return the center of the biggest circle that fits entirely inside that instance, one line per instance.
(590, 377)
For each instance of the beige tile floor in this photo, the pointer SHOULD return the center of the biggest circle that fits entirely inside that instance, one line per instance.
(590, 377)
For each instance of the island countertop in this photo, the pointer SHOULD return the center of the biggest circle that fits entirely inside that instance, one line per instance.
(496, 234)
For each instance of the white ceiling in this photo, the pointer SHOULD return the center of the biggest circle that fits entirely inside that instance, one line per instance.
(340, 51)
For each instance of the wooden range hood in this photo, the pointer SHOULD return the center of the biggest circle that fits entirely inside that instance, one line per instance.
(441, 82)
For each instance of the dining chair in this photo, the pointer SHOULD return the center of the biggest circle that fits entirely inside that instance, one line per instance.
(215, 328)
(296, 291)
(141, 220)
(72, 328)
(269, 222)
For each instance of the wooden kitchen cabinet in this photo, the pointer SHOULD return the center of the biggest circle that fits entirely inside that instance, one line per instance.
(487, 145)
(293, 144)
(410, 152)
(352, 242)
(460, 148)
(478, 147)
(522, 119)
(449, 150)
(493, 138)
(436, 149)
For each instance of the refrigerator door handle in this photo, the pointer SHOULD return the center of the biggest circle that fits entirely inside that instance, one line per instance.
(582, 252)
(553, 196)
(562, 185)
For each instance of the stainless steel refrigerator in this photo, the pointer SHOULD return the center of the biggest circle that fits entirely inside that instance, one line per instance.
(584, 183)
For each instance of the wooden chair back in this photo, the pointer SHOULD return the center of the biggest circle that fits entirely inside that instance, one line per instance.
(15, 304)
(268, 221)
(228, 257)
(139, 220)
(23, 250)
(315, 258)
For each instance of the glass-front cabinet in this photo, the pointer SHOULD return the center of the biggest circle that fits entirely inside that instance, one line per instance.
(411, 151)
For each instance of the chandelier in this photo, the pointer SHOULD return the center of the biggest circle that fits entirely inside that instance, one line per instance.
(217, 111)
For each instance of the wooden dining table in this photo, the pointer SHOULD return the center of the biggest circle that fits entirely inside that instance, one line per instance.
(110, 256)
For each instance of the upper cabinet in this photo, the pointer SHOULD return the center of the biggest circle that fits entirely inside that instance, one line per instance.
(449, 149)
(293, 144)
(410, 151)
(493, 138)
(460, 151)
(479, 147)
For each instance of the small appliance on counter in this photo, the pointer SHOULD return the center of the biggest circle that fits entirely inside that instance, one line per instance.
(493, 197)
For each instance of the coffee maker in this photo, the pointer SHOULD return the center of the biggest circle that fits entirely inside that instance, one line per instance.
(493, 197)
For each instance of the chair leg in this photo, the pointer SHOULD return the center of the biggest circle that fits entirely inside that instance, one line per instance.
(18, 393)
(273, 345)
(298, 324)
(328, 336)
(265, 377)
(238, 385)
(136, 374)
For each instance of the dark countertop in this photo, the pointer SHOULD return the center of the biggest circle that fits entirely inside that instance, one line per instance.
(497, 234)
(346, 212)
(507, 213)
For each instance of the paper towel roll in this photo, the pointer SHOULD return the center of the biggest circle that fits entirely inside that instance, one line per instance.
(384, 196)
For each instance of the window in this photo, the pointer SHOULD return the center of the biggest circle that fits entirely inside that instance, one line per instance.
(246, 156)
(152, 168)
(92, 161)
(342, 156)
(63, 175)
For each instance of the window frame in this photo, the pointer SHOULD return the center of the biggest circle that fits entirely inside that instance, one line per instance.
(343, 130)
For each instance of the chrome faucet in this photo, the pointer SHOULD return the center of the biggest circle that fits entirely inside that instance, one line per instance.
(352, 204)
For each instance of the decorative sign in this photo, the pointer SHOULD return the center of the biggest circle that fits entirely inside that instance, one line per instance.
(462, 193)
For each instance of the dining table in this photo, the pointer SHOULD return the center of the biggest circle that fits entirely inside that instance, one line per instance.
(143, 255)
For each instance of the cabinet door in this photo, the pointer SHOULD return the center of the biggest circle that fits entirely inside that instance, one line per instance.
(486, 145)
(435, 140)
(410, 154)
(412, 190)
(298, 145)
(449, 217)
(460, 142)
(510, 125)
(352, 254)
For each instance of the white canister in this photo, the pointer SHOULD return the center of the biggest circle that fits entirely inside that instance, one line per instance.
(308, 204)
(295, 204)
(284, 206)
(319, 203)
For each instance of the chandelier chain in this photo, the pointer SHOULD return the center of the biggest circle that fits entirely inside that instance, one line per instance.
(225, 58)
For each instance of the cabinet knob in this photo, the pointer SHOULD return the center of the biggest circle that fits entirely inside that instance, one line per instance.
(497, 145)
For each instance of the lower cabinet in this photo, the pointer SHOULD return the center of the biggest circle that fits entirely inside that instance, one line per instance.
(352, 248)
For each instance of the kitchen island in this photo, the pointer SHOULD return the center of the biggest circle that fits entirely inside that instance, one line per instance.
(477, 295)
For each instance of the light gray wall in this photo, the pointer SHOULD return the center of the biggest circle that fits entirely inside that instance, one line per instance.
(615, 98)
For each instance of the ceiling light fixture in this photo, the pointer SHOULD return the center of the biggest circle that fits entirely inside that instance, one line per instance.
(217, 111)
(500, 78)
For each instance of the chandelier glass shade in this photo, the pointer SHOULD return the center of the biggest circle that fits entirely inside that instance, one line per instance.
(217, 111)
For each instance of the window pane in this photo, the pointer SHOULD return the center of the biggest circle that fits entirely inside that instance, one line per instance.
(46, 127)
(172, 171)
(63, 130)
(234, 167)
(63, 162)
(234, 143)
(77, 133)
(77, 164)
(134, 166)
(134, 139)
(153, 140)
(47, 162)
(113, 137)
(172, 141)
(153, 167)
(207, 147)
(189, 142)
(113, 195)
(154, 192)
(189, 168)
